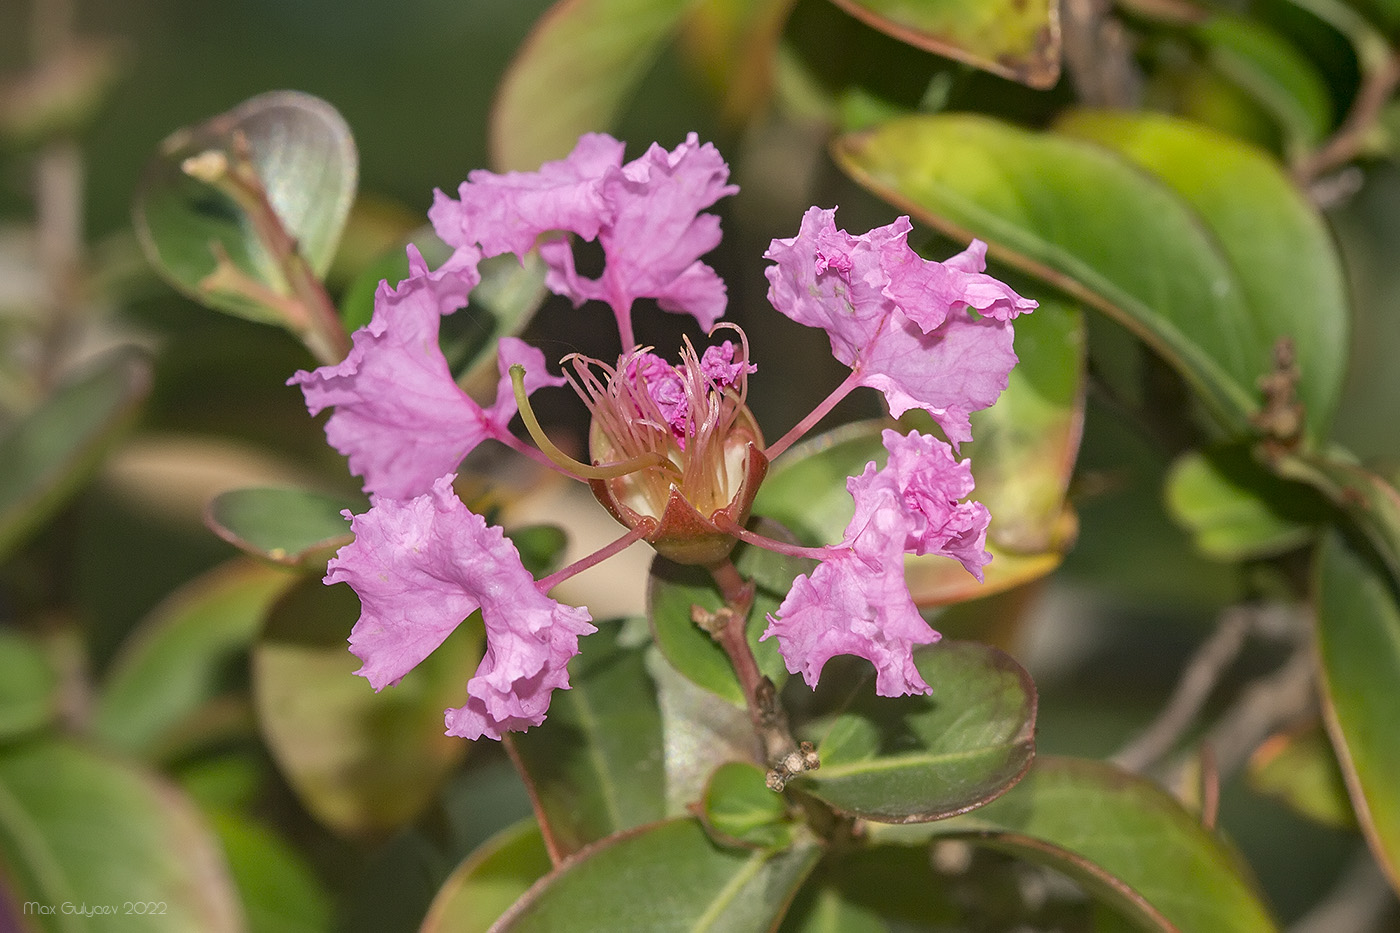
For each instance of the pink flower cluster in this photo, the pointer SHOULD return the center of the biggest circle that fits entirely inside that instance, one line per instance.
(928, 335)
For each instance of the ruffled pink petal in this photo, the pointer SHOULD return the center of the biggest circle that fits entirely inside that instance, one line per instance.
(927, 292)
(923, 483)
(960, 367)
(656, 235)
(400, 418)
(422, 566)
(858, 606)
(898, 320)
(506, 213)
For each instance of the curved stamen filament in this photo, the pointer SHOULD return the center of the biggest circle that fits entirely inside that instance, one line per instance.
(546, 446)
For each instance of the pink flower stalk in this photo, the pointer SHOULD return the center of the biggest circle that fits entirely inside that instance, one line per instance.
(645, 215)
(421, 567)
(676, 456)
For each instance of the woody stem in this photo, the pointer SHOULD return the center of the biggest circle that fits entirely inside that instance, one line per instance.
(728, 627)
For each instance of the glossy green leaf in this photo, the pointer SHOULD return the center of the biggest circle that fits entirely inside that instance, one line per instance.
(699, 729)
(663, 877)
(917, 758)
(673, 589)
(596, 765)
(485, 885)
(279, 891)
(1016, 39)
(1122, 837)
(28, 685)
(190, 651)
(1236, 509)
(1273, 72)
(1290, 280)
(82, 828)
(1024, 447)
(361, 762)
(574, 73)
(738, 809)
(1300, 769)
(1164, 234)
(304, 156)
(874, 889)
(1358, 638)
(294, 527)
(46, 457)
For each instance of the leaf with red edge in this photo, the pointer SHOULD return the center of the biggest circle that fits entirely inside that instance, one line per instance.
(1127, 841)
(661, 878)
(79, 827)
(917, 758)
(489, 880)
(1358, 640)
(1016, 39)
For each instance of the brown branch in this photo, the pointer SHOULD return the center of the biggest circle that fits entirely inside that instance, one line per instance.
(783, 755)
(1350, 138)
(1199, 679)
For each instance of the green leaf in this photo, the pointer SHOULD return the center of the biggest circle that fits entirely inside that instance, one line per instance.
(1273, 72)
(673, 589)
(663, 877)
(304, 156)
(280, 892)
(28, 685)
(1016, 39)
(1236, 509)
(1300, 769)
(1024, 447)
(361, 762)
(1122, 837)
(190, 651)
(699, 729)
(293, 527)
(81, 828)
(574, 74)
(1358, 638)
(1195, 242)
(918, 758)
(485, 885)
(876, 889)
(595, 766)
(738, 809)
(47, 456)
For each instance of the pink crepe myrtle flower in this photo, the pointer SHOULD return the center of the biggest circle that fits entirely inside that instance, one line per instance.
(420, 567)
(676, 456)
(856, 601)
(901, 322)
(645, 215)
